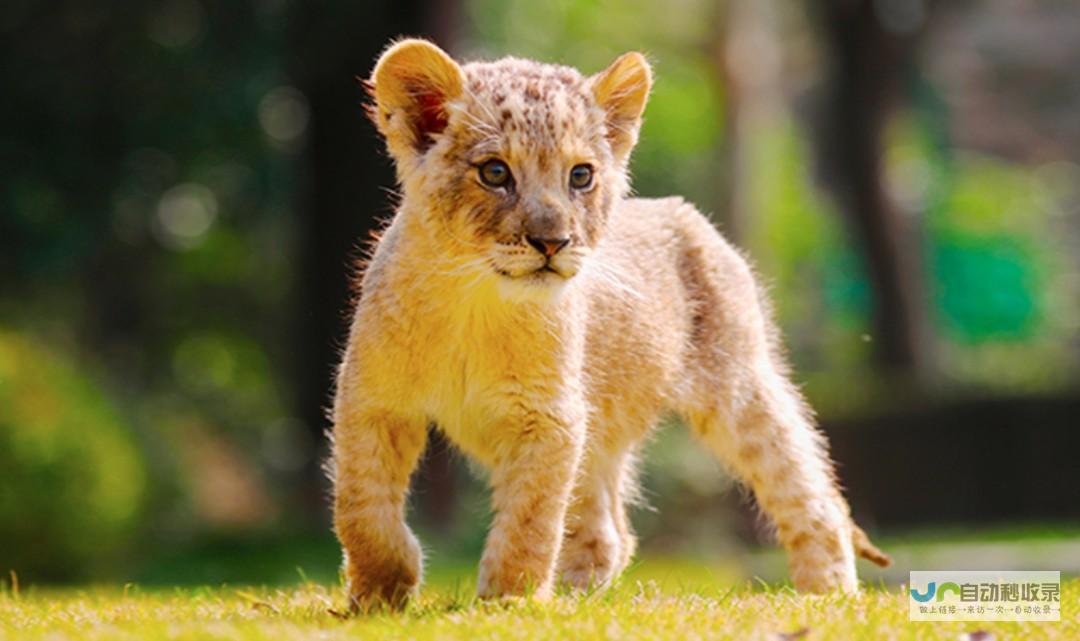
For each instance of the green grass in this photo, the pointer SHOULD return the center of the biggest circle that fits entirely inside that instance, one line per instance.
(656, 600)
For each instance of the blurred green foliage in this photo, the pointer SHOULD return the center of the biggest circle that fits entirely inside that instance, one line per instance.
(73, 479)
(997, 260)
(996, 275)
(1001, 291)
(145, 227)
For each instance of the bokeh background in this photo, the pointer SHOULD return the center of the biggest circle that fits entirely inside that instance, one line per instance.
(186, 184)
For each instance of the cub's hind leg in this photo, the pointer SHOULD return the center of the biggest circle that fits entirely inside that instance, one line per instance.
(598, 542)
(768, 441)
(739, 401)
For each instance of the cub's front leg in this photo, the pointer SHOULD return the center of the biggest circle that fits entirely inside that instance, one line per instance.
(374, 454)
(535, 460)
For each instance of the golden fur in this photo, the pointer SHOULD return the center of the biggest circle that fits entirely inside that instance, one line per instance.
(551, 372)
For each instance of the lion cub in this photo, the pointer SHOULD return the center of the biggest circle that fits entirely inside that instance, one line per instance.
(543, 320)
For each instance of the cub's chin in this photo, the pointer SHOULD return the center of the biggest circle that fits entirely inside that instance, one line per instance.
(540, 286)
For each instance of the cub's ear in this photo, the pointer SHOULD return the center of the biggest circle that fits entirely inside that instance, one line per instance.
(411, 84)
(622, 90)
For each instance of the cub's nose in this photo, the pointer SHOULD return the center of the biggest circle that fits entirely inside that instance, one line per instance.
(547, 246)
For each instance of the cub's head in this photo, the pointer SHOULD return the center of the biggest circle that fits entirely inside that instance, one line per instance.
(513, 165)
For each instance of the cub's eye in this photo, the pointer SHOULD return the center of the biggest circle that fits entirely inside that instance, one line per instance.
(495, 173)
(581, 177)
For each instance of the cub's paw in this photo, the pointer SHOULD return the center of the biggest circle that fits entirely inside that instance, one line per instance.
(821, 580)
(590, 559)
(390, 590)
(382, 582)
(510, 580)
(822, 562)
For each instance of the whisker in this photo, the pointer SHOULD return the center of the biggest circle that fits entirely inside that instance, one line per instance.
(610, 275)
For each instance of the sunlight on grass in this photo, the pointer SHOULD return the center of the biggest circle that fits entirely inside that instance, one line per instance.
(636, 609)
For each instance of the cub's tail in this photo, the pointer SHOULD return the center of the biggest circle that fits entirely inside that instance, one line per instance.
(866, 549)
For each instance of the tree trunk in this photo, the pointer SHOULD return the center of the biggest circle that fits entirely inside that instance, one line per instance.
(749, 64)
(345, 191)
(867, 65)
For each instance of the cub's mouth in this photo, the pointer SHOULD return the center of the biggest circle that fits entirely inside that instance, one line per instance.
(544, 272)
(535, 269)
